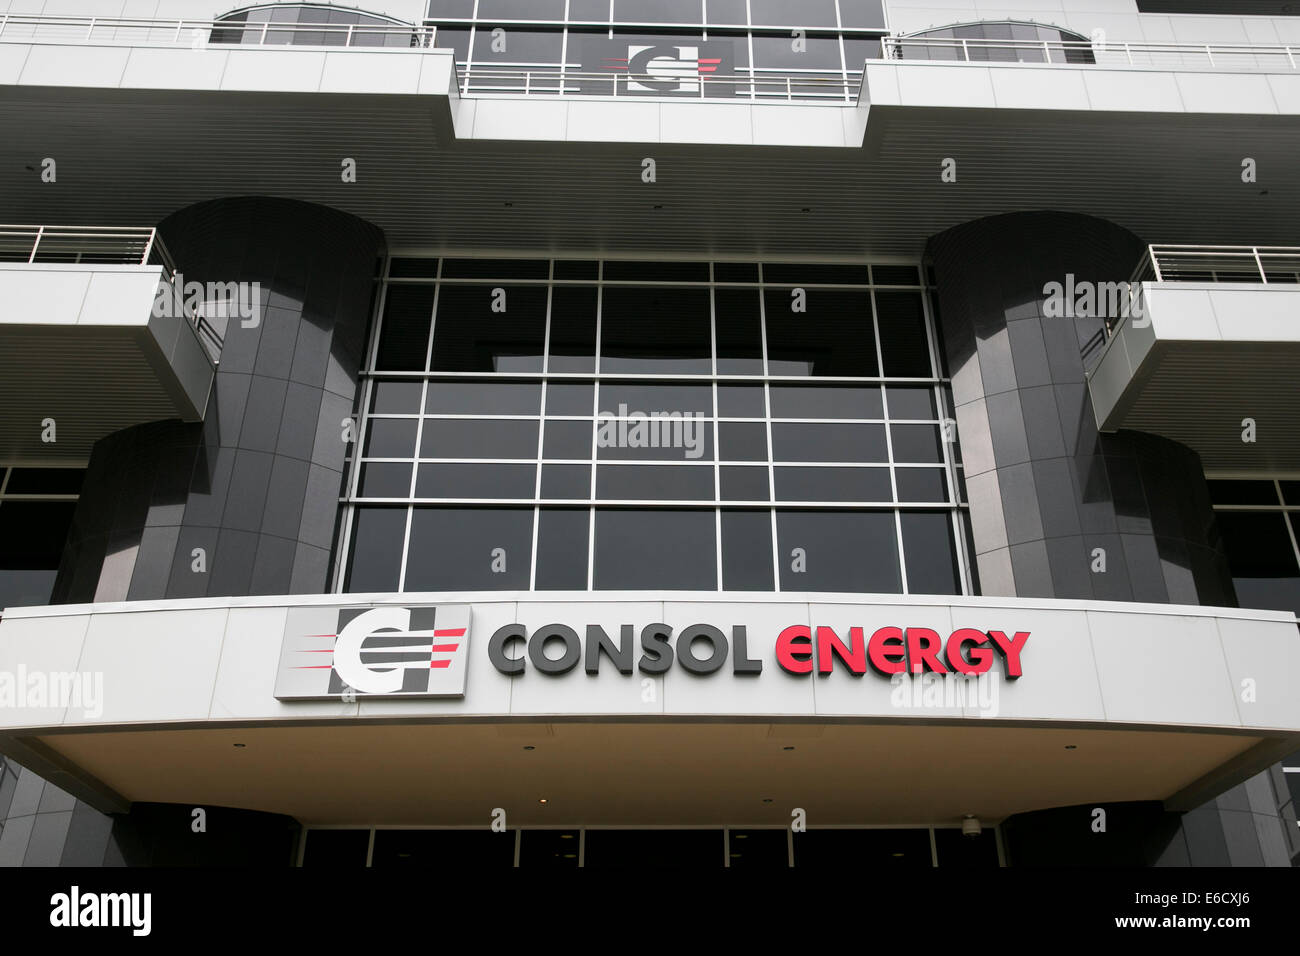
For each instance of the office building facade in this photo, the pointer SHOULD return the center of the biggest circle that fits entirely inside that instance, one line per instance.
(649, 432)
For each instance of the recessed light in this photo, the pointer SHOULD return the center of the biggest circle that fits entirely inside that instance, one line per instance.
(740, 836)
(659, 207)
(241, 745)
(542, 800)
(806, 209)
(529, 747)
(767, 799)
(787, 748)
(895, 854)
(566, 836)
(1071, 747)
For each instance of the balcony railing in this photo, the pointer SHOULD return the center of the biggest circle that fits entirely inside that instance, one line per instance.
(1263, 264)
(19, 28)
(757, 84)
(90, 244)
(1239, 56)
(103, 245)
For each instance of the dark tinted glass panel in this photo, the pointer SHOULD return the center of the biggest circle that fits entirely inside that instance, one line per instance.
(863, 14)
(566, 481)
(649, 482)
(921, 484)
(644, 399)
(803, 274)
(567, 398)
(336, 848)
(484, 398)
(641, 849)
(521, 9)
(385, 479)
(479, 438)
(471, 337)
(454, 38)
(858, 50)
(734, 271)
(655, 549)
(833, 337)
(651, 329)
(376, 551)
(462, 480)
(549, 849)
(32, 533)
(742, 483)
(622, 271)
(516, 45)
(404, 335)
(562, 549)
(903, 344)
(930, 553)
(396, 397)
(863, 849)
(391, 437)
(495, 268)
(841, 551)
(1261, 558)
(577, 269)
(457, 9)
(759, 849)
(444, 849)
(826, 401)
(833, 484)
(413, 268)
(573, 329)
(783, 13)
(26, 588)
(44, 481)
(741, 401)
(742, 441)
(916, 443)
(910, 401)
(739, 331)
(1244, 492)
(469, 549)
(568, 439)
(589, 10)
(1291, 492)
(658, 11)
(957, 851)
(828, 442)
(895, 275)
(746, 551)
(649, 439)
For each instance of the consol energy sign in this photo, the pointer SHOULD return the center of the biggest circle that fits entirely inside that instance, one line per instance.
(556, 649)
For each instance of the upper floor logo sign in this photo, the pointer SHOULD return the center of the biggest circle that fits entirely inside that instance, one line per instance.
(379, 651)
(657, 69)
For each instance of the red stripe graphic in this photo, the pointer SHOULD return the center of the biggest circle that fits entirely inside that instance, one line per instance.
(440, 663)
(450, 632)
(444, 648)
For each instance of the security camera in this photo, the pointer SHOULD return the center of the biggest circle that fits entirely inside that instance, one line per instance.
(970, 826)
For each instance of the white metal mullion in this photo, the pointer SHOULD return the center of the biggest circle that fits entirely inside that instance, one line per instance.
(957, 516)
(367, 383)
(595, 414)
(889, 442)
(541, 425)
(767, 416)
(419, 428)
(717, 438)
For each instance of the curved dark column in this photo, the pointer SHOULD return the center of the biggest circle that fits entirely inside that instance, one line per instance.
(1045, 488)
(256, 485)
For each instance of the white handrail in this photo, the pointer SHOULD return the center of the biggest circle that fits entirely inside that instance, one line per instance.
(141, 30)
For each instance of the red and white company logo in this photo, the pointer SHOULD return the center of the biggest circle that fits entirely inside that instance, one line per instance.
(663, 69)
(392, 651)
